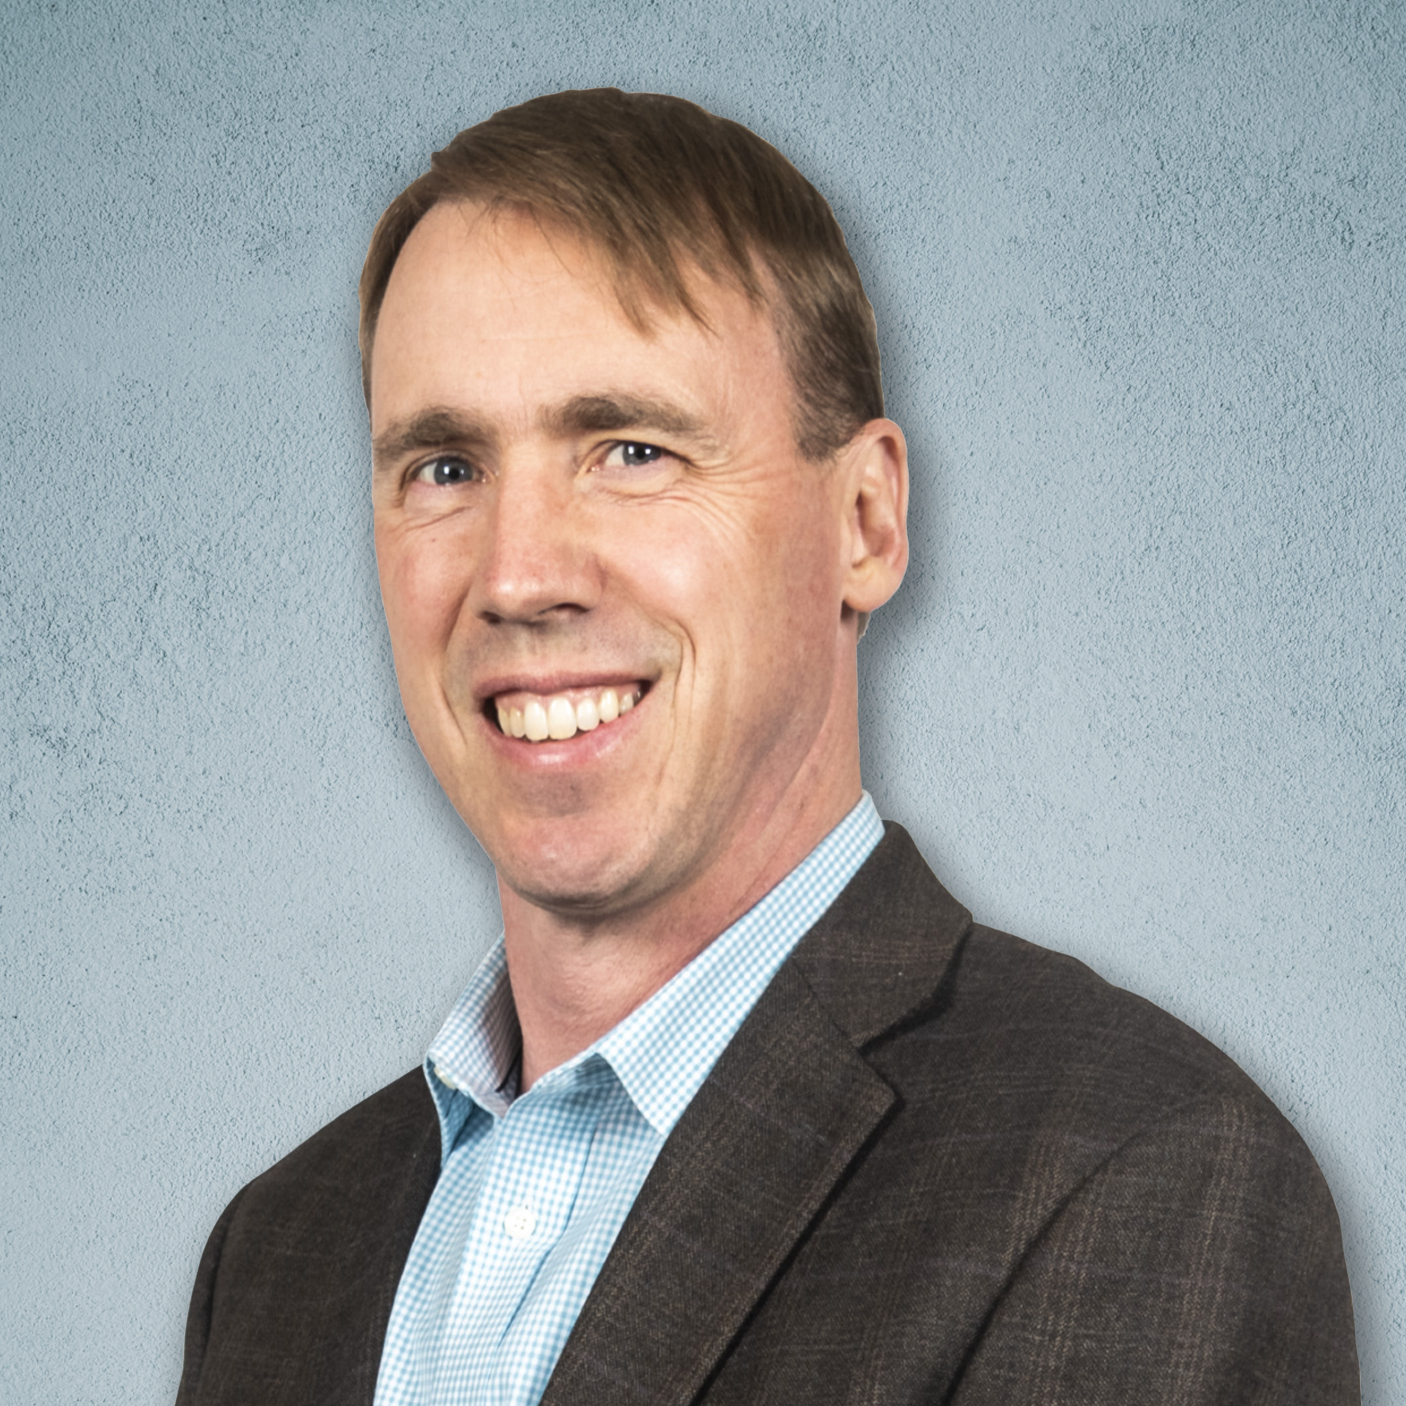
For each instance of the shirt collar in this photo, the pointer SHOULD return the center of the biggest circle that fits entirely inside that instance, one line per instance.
(665, 1048)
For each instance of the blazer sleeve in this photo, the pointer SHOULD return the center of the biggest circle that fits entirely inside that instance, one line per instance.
(1201, 1263)
(201, 1306)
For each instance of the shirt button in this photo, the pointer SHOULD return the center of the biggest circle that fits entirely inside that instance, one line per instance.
(520, 1222)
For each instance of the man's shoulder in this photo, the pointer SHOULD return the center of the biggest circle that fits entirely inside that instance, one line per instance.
(377, 1161)
(1059, 1044)
(1071, 1182)
(1027, 1060)
(382, 1137)
(1058, 1187)
(1000, 1035)
(295, 1285)
(1015, 1005)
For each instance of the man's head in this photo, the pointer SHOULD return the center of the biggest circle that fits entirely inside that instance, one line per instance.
(656, 184)
(608, 508)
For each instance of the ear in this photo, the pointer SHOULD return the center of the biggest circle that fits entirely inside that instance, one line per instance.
(874, 471)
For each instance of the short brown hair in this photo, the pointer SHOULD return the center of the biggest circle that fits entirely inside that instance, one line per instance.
(646, 179)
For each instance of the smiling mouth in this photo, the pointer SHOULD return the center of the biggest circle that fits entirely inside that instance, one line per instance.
(553, 717)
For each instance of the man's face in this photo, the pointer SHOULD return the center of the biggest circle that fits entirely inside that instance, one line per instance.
(591, 530)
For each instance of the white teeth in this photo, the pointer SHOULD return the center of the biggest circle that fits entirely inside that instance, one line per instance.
(556, 718)
(561, 720)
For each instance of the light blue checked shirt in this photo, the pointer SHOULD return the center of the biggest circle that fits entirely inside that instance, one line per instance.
(532, 1190)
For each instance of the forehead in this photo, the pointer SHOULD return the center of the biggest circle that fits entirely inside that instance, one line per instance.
(491, 306)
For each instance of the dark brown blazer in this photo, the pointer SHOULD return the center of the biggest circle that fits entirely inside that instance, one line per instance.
(936, 1164)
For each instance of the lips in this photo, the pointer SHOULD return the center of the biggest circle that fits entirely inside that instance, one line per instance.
(543, 717)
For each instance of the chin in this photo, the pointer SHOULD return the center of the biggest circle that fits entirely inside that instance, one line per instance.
(573, 892)
(571, 868)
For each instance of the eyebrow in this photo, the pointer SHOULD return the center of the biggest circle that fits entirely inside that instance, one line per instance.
(606, 414)
(428, 429)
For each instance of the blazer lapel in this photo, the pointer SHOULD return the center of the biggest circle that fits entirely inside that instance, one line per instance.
(747, 1167)
(784, 1113)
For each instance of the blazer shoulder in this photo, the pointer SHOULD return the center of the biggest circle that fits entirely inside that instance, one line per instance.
(1165, 1167)
(374, 1135)
(1068, 1186)
(941, 1003)
(1032, 1047)
(1046, 1009)
(295, 1287)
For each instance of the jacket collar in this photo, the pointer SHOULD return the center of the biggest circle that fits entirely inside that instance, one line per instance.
(878, 956)
(761, 1147)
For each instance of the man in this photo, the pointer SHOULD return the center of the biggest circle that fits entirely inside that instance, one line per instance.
(742, 1108)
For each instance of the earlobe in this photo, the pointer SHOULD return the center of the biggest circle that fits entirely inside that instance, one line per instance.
(876, 515)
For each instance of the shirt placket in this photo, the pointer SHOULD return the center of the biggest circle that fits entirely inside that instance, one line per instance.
(538, 1156)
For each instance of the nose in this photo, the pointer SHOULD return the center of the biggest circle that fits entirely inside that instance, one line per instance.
(537, 563)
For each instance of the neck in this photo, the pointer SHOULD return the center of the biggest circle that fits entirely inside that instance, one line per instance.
(574, 979)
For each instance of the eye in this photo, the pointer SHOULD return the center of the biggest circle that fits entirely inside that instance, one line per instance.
(631, 454)
(445, 471)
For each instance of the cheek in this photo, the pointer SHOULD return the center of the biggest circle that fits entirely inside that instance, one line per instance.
(766, 548)
(758, 601)
(422, 586)
(801, 566)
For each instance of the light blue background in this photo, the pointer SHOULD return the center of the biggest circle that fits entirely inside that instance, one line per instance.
(1139, 271)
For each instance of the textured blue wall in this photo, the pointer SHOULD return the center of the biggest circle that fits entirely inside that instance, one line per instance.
(1139, 275)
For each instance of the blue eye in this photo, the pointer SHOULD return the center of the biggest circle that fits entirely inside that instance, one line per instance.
(635, 455)
(445, 470)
